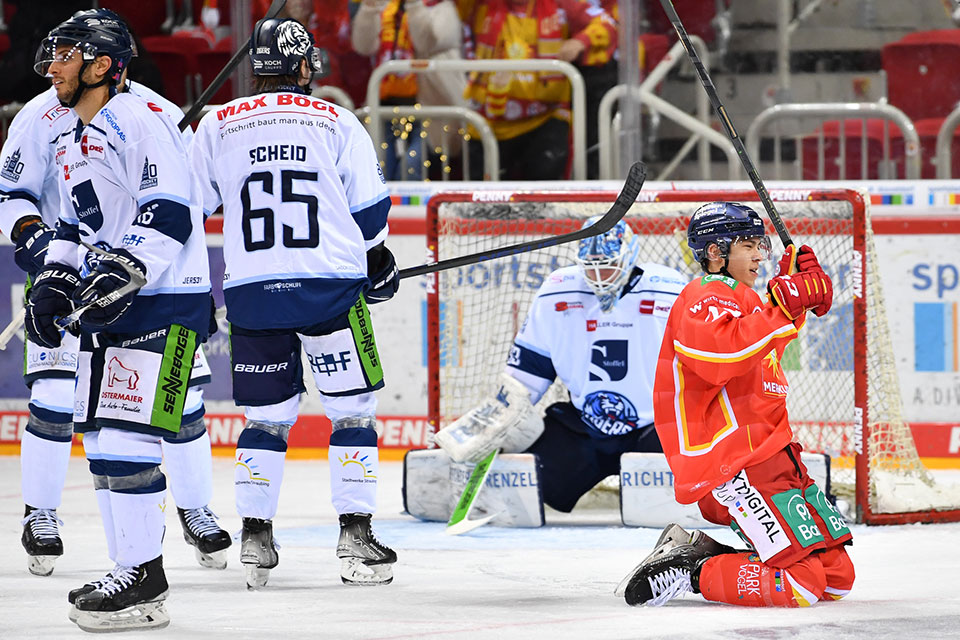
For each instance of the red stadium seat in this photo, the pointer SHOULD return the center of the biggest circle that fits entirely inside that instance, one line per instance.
(144, 18)
(921, 73)
(209, 64)
(695, 15)
(177, 57)
(853, 130)
(928, 129)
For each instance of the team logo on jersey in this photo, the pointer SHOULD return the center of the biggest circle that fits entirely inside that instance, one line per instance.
(608, 360)
(12, 167)
(609, 413)
(773, 378)
(148, 179)
(120, 376)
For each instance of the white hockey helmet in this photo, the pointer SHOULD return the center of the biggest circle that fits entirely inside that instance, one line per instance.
(607, 260)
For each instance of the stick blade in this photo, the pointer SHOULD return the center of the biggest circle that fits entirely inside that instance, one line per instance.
(459, 522)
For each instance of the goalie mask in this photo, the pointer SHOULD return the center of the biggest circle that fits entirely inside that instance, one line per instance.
(723, 224)
(607, 260)
(89, 34)
(278, 45)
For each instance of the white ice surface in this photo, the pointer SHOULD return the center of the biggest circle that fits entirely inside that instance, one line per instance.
(555, 582)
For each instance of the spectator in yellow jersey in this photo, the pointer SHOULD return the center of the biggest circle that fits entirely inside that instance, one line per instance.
(530, 112)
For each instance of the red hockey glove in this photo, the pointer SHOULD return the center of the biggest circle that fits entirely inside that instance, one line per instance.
(788, 261)
(807, 260)
(801, 291)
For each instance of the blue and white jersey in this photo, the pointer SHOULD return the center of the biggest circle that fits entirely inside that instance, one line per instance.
(303, 200)
(156, 101)
(606, 360)
(125, 183)
(29, 177)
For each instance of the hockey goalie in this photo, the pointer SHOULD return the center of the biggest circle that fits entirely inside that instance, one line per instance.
(597, 326)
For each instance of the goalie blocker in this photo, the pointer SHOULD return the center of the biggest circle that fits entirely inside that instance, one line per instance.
(432, 484)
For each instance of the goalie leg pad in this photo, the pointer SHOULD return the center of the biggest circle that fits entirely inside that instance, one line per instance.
(505, 421)
(432, 485)
(646, 494)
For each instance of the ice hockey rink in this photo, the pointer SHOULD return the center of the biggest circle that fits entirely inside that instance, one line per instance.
(554, 582)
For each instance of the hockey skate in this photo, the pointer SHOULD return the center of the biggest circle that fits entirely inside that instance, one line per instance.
(41, 539)
(201, 531)
(87, 588)
(672, 570)
(258, 551)
(672, 536)
(364, 560)
(131, 600)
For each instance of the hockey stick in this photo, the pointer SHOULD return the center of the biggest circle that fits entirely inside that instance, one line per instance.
(459, 523)
(631, 188)
(136, 282)
(728, 125)
(275, 7)
(12, 329)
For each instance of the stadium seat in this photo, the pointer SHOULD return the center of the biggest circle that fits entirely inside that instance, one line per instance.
(177, 57)
(921, 73)
(144, 18)
(928, 129)
(853, 130)
(696, 16)
(209, 64)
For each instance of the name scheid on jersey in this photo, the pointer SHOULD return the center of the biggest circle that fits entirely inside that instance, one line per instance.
(303, 200)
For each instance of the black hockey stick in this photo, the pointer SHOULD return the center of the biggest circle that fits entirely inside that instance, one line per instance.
(631, 188)
(275, 7)
(728, 125)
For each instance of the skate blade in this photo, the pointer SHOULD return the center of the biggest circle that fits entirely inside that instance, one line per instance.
(41, 565)
(74, 613)
(215, 560)
(145, 615)
(354, 572)
(256, 576)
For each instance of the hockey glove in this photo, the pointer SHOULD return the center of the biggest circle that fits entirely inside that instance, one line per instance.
(788, 261)
(109, 275)
(382, 271)
(801, 291)
(32, 244)
(50, 298)
(807, 261)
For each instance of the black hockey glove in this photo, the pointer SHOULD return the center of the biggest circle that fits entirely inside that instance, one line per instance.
(382, 271)
(50, 298)
(31, 248)
(108, 276)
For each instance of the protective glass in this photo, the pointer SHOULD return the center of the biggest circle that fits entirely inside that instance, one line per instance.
(47, 53)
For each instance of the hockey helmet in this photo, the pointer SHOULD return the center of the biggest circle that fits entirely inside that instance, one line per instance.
(98, 32)
(278, 45)
(722, 224)
(607, 260)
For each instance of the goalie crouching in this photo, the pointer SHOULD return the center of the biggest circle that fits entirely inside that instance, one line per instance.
(597, 325)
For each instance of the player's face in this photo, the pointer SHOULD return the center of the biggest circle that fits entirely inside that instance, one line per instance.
(745, 256)
(64, 71)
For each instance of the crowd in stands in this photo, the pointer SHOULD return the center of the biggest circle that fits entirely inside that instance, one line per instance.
(183, 44)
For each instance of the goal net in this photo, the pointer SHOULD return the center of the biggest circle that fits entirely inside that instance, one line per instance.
(844, 394)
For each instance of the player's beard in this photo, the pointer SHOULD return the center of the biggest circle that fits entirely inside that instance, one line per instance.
(67, 90)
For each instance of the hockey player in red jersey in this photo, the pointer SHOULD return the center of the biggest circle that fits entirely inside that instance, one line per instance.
(720, 412)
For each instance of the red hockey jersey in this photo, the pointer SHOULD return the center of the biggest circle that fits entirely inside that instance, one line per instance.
(720, 394)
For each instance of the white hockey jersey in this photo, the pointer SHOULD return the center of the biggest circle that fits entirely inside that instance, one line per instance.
(303, 200)
(606, 360)
(127, 183)
(29, 178)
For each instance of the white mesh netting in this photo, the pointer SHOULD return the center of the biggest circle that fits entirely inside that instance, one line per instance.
(479, 309)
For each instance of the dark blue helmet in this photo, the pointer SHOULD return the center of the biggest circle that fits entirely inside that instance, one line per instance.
(98, 32)
(278, 45)
(722, 223)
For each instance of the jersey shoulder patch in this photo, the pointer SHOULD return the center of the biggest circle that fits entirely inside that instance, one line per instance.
(716, 277)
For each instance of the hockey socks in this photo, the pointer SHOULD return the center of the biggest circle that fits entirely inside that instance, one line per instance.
(43, 466)
(189, 466)
(742, 579)
(354, 466)
(258, 470)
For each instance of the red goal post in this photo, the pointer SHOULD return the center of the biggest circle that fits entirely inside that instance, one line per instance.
(844, 398)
